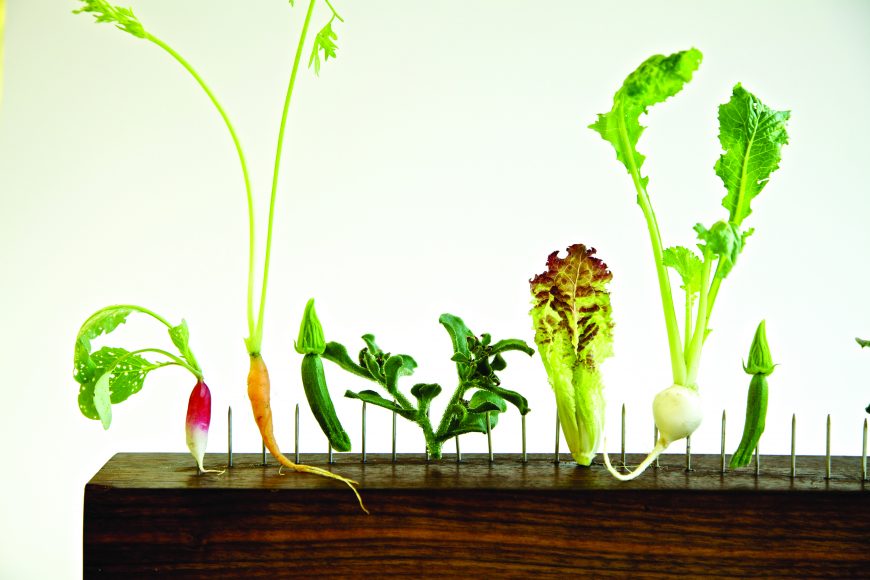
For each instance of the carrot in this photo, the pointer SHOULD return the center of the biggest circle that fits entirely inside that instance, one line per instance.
(259, 394)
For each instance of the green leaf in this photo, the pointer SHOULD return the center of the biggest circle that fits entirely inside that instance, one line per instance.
(574, 333)
(126, 374)
(374, 398)
(371, 363)
(654, 81)
(512, 397)
(337, 353)
(752, 136)
(102, 401)
(323, 42)
(498, 363)
(459, 333)
(486, 401)
(424, 393)
(724, 240)
(180, 336)
(511, 344)
(122, 18)
(399, 365)
(688, 265)
(103, 321)
(862, 343)
(369, 339)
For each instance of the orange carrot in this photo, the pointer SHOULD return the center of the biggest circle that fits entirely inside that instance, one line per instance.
(259, 394)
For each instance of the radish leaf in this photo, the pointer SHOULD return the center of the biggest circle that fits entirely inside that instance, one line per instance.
(752, 136)
(102, 402)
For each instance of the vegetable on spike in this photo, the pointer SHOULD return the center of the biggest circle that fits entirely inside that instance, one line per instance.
(197, 423)
(760, 366)
(312, 344)
(259, 394)
(110, 376)
(752, 136)
(477, 361)
(573, 330)
(258, 381)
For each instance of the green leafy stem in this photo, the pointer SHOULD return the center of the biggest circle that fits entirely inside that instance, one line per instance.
(111, 375)
(477, 360)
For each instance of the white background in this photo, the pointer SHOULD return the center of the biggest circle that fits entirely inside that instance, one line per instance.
(430, 169)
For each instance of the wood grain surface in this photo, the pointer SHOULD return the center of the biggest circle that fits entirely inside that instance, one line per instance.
(152, 514)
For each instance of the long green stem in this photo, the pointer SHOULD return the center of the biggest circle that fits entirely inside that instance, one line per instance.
(693, 356)
(243, 163)
(678, 366)
(688, 325)
(254, 346)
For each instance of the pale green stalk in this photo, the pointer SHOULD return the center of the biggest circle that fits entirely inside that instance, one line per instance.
(678, 365)
(254, 345)
(243, 163)
(693, 356)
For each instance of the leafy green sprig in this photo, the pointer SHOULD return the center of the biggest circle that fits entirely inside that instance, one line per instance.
(111, 375)
(752, 136)
(477, 359)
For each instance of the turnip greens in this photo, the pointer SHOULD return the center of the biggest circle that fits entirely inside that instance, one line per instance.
(752, 136)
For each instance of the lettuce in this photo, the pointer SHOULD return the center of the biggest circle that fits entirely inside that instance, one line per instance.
(573, 331)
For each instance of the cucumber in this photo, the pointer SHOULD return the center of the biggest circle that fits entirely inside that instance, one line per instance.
(317, 393)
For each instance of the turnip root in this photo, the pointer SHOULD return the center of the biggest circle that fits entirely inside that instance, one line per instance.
(677, 412)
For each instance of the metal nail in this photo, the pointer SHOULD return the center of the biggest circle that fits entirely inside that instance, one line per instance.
(525, 456)
(558, 433)
(757, 461)
(489, 436)
(394, 436)
(864, 453)
(264, 454)
(623, 434)
(828, 449)
(689, 453)
(656, 440)
(793, 445)
(722, 447)
(296, 441)
(364, 432)
(458, 452)
(229, 436)
(329, 458)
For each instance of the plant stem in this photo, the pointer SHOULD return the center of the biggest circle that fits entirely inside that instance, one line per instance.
(258, 336)
(693, 356)
(688, 326)
(175, 360)
(457, 395)
(678, 366)
(242, 161)
(141, 309)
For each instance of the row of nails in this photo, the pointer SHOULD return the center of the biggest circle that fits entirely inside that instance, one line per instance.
(558, 438)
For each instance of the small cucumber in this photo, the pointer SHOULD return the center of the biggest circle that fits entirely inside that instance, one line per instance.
(317, 393)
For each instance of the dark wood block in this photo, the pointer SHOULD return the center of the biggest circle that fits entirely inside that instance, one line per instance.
(151, 513)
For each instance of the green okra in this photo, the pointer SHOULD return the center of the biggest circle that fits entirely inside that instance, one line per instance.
(760, 366)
